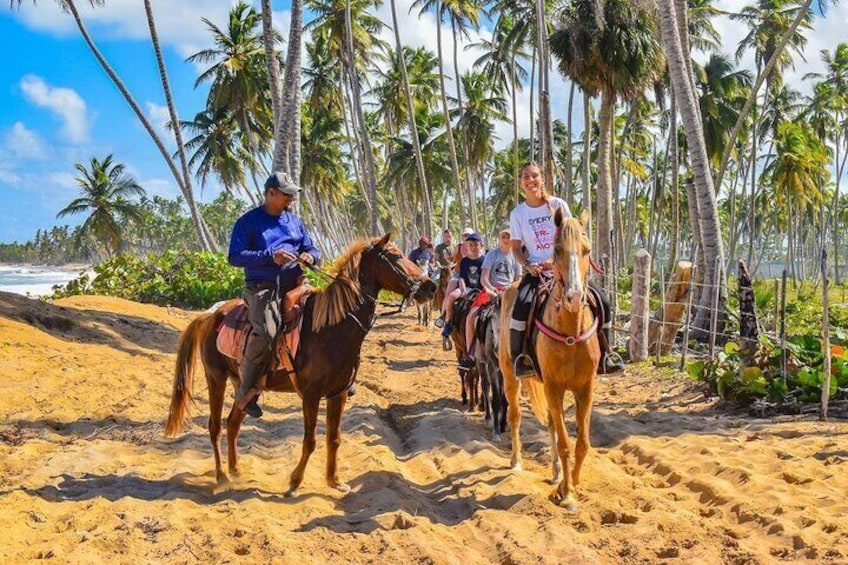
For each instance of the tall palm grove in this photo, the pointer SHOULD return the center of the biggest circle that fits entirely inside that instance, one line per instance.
(660, 132)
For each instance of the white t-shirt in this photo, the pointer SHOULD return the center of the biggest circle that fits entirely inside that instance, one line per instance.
(535, 227)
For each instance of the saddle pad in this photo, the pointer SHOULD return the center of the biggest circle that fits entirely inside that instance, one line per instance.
(235, 327)
(232, 333)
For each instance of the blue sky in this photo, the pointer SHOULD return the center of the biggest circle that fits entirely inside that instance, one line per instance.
(58, 108)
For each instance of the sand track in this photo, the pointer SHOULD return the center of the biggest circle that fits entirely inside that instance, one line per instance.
(86, 476)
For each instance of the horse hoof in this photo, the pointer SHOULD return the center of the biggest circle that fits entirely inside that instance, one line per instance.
(343, 488)
(290, 493)
(517, 467)
(222, 485)
(496, 438)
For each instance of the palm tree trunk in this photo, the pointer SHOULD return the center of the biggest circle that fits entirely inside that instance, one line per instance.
(674, 236)
(532, 100)
(175, 120)
(287, 150)
(273, 63)
(587, 153)
(196, 217)
(515, 164)
(604, 196)
(472, 198)
(370, 175)
(545, 125)
(413, 128)
(569, 175)
(446, 114)
(713, 249)
(772, 63)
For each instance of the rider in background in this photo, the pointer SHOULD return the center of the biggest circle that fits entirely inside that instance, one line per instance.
(470, 275)
(461, 252)
(500, 269)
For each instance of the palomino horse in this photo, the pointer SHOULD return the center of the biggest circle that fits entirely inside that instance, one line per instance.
(336, 321)
(568, 352)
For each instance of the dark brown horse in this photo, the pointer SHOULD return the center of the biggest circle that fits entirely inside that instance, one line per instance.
(336, 321)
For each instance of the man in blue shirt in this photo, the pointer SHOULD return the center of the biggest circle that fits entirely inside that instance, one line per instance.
(268, 242)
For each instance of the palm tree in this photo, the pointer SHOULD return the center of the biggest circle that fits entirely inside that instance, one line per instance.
(830, 104)
(795, 176)
(618, 59)
(501, 61)
(705, 198)
(722, 90)
(202, 231)
(483, 105)
(410, 111)
(105, 190)
(458, 12)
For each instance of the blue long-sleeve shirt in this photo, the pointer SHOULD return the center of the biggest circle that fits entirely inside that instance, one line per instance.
(257, 234)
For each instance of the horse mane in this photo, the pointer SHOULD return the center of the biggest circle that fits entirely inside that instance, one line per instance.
(344, 293)
(571, 232)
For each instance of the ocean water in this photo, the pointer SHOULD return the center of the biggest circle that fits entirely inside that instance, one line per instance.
(31, 280)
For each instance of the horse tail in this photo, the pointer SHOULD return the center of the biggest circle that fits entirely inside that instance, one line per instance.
(181, 401)
(538, 400)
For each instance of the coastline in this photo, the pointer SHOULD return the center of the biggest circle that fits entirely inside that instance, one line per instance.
(38, 280)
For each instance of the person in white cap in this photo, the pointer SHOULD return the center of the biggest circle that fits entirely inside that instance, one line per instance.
(269, 242)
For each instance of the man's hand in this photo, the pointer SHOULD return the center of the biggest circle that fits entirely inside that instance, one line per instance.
(281, 257)
(307, 258)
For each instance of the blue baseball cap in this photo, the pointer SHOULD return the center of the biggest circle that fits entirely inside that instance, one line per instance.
(474, 237)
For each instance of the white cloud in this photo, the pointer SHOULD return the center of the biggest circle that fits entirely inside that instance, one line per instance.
(159, 118)
(64, 102)
(23, 143)
(9, 177)
(63, 179)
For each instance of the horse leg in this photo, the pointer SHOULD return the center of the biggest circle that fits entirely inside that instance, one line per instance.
(485, 379)
(310, 420)
(217, 389)
(335, 407)
(556, 468)
(514, 415)
(234, 420)
(563, 494)
(583, 414)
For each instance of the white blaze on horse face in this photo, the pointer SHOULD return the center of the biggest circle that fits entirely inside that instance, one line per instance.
(574, 292)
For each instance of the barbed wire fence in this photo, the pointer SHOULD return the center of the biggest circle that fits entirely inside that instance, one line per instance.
(631, 327)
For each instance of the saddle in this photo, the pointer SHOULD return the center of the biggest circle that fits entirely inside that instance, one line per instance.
(235, 327)
(540, 299)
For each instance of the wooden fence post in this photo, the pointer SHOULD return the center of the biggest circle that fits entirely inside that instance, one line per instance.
(825, 395)
(640, 306)
(666, 321)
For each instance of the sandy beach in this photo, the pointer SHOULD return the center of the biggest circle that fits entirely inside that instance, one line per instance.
(86, 475)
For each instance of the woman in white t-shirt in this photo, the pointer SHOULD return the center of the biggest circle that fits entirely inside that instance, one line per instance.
(532, 227)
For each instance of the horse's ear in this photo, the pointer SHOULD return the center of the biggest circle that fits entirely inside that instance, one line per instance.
(384, 240)
(584, 218)
(558, 217)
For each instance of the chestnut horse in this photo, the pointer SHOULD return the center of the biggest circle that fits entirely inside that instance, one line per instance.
(336, 321)
(568, 352)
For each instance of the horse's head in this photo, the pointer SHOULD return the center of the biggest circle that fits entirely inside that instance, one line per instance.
(393, 271)
(571, 257)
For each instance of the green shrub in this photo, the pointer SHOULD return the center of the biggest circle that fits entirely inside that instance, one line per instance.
(185, 279)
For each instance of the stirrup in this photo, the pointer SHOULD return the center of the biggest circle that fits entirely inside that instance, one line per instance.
(447, 343)
(523, 367)
(439, 322)
(613, 361)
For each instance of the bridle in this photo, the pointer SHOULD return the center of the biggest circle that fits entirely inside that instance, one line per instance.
(568, 340)
(412, 284)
